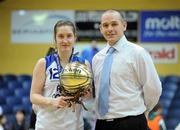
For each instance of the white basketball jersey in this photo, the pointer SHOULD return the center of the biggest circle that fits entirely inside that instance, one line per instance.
(50, 118)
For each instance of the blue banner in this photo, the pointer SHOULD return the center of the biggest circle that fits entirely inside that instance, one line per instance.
(160, 26)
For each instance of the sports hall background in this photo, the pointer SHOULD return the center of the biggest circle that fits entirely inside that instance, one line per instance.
(20, 59)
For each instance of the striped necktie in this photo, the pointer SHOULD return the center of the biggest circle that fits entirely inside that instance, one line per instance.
(104, 84)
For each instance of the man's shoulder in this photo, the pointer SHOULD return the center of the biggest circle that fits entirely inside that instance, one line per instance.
(98, 55)
(135, 46)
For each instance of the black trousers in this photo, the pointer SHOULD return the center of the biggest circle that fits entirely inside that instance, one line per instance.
(127, 123)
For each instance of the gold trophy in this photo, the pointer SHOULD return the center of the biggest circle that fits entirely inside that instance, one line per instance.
(75, 79)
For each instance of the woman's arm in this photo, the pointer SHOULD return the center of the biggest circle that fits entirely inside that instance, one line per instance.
(38, 82)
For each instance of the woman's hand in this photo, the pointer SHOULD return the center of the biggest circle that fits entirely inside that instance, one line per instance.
(61, 102)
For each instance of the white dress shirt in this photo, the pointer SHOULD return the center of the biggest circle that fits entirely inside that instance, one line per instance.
(1, 127)
(134, 83)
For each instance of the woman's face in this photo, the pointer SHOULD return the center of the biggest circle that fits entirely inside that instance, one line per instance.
(65, 38)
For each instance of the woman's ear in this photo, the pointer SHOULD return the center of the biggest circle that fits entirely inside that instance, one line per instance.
(100, 28)
(55, 44)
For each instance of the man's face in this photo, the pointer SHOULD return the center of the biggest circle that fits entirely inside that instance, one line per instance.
(112, 27)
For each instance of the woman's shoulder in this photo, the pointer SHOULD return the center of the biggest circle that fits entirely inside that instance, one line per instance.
(40, 64)
(41, 61)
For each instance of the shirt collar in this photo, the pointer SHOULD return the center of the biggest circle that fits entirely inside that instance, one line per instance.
(119, 44)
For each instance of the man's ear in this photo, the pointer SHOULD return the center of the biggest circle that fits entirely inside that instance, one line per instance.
(124, 25)
(75, 37)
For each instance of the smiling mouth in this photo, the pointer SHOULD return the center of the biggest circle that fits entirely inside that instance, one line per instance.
(111, 35)
(65, 45)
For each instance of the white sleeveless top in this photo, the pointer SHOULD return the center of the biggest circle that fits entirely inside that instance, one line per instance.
(51, 118)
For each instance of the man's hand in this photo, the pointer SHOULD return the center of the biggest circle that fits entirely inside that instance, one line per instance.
(87, 94)
(147, 115)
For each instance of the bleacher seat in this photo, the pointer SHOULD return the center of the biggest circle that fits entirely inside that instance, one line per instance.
(168, 93)
(10, 120)
(172, 78)
(7, 110)
(12, 85)
(173, 116)
(176, 103)
(13, 101)
(9, 77)
(5, 92)
(176, 100)
(174, 113)
(1, 78)
(24, 77)
(177, 95)
(162, 78)
(3, 84)
(165, 104)
(26, 100)
(2, 100)
(170, 86)
(17, 107)
(26, 85)
(14, 93)
(20, 92)
(172, 123)
(27, 104)
(27, 108)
